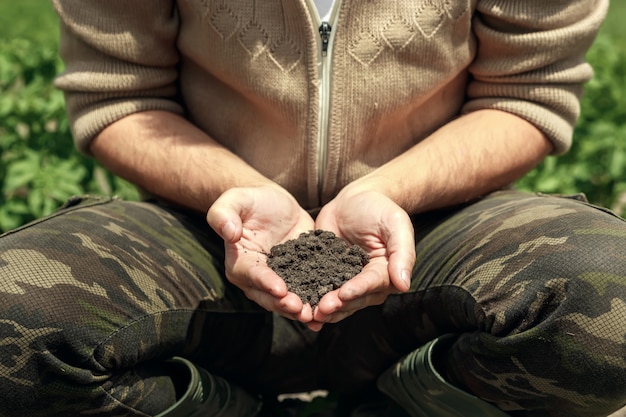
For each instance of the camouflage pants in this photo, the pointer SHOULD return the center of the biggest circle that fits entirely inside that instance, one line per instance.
(96, 296)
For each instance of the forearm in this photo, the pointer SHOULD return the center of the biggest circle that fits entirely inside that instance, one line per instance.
(169, 157)
(469, 157)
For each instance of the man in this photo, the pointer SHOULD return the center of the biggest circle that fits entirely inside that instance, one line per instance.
(398, 126)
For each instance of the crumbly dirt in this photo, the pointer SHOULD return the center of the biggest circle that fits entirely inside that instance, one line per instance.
(315, 263)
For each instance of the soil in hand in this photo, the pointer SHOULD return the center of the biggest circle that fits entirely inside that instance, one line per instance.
(316, 263)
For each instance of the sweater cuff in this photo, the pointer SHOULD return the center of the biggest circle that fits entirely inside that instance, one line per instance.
(553, 111)
(89, 122)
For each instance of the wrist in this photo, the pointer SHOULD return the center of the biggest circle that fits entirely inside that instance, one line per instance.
(374, 183)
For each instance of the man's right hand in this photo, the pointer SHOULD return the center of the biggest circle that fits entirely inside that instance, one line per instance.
(251, 221)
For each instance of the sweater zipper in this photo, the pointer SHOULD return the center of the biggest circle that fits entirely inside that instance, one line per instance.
(327, 35)
(325, 31)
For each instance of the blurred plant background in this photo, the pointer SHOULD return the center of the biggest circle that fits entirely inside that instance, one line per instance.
(39, 168)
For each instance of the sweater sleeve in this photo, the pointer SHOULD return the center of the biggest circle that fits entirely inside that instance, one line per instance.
(531, 61)
(120, 58)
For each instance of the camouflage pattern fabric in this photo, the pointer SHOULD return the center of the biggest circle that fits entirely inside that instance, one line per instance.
(94, 298)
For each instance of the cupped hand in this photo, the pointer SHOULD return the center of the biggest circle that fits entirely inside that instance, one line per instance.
(251, 221)
(384, 230)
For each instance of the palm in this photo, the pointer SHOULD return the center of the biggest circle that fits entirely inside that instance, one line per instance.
(252, 221)
(385, 232)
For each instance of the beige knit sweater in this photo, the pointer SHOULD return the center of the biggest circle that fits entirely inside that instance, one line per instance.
(253, 74)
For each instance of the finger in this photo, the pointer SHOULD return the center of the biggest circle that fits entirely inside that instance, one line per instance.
(289, 306)
(262, 278)
(371, 299)
(373, 278)
(328, 304)
(226, 223)
(371, 284)
(400, 240)
(332, 309)
(315, 326)
(338, 315)
(248, 269)
(224, 216)
(306, 314)
(400, 276)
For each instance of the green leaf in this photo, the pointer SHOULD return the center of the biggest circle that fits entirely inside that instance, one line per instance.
(35, 201)
(22, 172)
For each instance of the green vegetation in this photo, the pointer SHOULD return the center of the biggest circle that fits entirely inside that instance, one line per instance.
(596, 164)
(39, 168)
(34, 20)
(614, 24)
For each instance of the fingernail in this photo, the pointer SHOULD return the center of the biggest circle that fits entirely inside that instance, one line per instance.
(405, 275)
(228, 230)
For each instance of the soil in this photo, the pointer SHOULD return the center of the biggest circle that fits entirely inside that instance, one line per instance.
(315, 263)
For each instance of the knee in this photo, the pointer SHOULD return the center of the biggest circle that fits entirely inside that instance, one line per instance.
(47, 334)
(587, 334)
(589, 321)
(571, 329)
(33, 334)
(29, 357)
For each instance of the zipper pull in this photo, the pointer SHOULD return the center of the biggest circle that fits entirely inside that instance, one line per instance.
(325, 30)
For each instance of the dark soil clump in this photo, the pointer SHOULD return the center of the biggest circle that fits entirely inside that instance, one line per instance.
(316, 263)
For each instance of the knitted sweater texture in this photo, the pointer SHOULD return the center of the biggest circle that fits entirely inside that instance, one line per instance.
(252, 74)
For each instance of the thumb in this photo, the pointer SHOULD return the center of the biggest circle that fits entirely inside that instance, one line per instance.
(224, 217)
(401, 248)
(400, 268)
